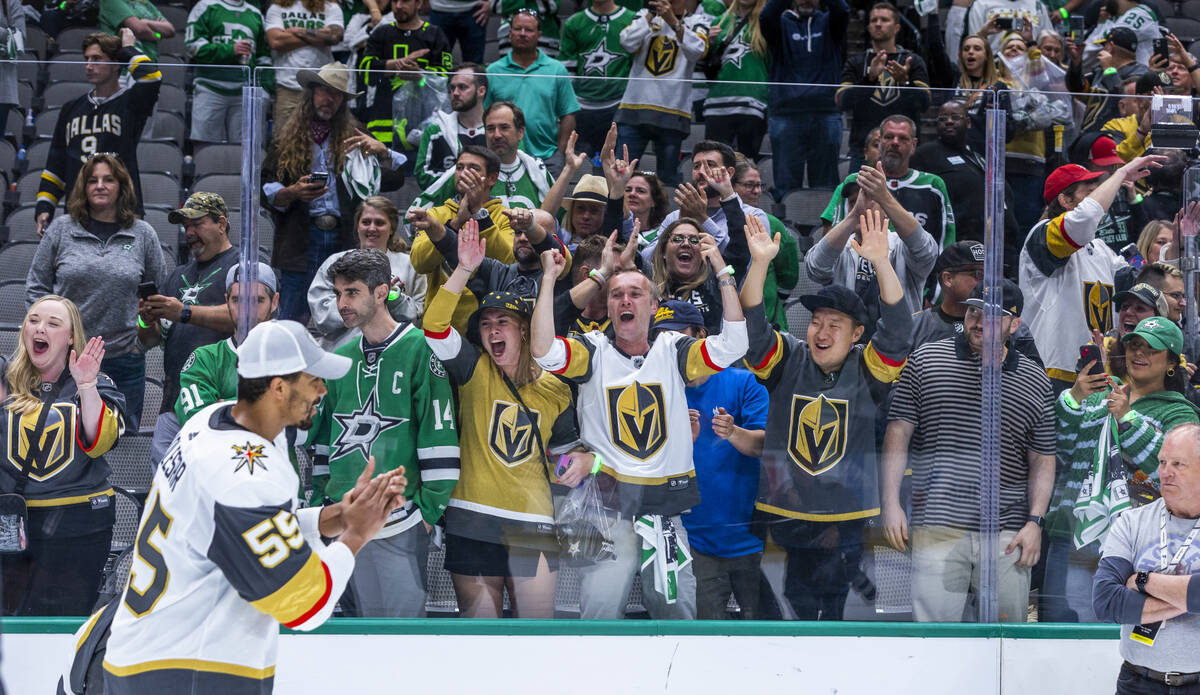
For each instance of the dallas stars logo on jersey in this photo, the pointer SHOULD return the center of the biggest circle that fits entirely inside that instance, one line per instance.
(1097, 306)
(817, 434)
(361, 427)
(42, 449)
(637, 421)
(735, 51)
(511, 434)
(596, 62)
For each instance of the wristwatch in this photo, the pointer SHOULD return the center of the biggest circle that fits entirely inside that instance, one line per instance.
(186, 314)
(1039, 520)
(1140, 581)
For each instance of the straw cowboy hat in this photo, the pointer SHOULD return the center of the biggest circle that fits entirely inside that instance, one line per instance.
(333, 75)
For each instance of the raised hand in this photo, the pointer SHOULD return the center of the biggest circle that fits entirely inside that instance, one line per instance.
(366, 143)
(874, 183)
(899, 72)
(520, 219)
(763, 247)
(629, 253)
(878, 64)
(418, 218)
(616, 171)
(553, 263)
(1140, 168)
(608, 255)
(1087, 383)
(874, 245)
(571, 159)
(471, 247)
(711, 252)
(85, 367)
(1118, 402)
(719, 179)
(692, 202)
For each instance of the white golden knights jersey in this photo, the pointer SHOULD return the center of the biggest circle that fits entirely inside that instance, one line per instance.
(633, 411)
(222, 559)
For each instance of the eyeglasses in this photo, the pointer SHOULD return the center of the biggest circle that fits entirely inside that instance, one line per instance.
(749, 186)
(977, 274)
(1177, 296)
(681, 239)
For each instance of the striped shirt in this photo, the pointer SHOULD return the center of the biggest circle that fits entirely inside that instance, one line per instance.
(940, 393)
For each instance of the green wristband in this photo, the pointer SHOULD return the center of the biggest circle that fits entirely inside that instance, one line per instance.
(1063, 11)
(1069, 401)
(1110, 71)
(142, 323)
(596, 460)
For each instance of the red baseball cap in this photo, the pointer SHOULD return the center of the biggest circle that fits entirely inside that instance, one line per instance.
(1064, 176)
(1104, 152)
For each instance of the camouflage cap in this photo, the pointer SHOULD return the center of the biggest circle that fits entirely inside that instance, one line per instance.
(198, 205)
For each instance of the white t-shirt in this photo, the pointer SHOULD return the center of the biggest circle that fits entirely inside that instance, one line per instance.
(294, 15)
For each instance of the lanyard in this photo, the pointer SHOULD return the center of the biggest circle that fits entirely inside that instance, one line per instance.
(1162, 543)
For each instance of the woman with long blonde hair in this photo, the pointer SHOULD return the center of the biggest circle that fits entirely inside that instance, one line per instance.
(678, 270)
(59, 417)
(515, 421)
(735, 111)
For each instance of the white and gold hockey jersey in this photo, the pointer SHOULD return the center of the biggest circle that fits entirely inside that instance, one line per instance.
(633, 411)
(222, 559)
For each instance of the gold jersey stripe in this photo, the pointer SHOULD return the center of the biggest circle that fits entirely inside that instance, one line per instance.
(848, 516)
(637, 480)
(64, 501)
(191, 665)
(299, 595)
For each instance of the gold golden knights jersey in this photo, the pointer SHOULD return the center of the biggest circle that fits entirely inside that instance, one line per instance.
(633, 411)
(503, 493)
(222, 559)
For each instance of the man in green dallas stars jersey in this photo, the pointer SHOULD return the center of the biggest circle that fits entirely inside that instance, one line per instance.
(591, 49)
(395, 404)
(223, 36)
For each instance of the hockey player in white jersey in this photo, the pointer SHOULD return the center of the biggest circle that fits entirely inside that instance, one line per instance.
(633, 413)
(223, 557)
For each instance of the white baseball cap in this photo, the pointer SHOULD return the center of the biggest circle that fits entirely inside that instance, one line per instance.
(279, 348)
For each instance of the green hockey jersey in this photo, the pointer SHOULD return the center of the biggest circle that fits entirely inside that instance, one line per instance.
(208, 376)
(212, 29)
(395, 404)
(522, 184)
(741, 86)
(591, 48)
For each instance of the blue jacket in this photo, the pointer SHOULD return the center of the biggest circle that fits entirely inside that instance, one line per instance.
(805, 52)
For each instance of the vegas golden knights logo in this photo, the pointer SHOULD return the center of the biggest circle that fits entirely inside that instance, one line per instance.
(660, 59)
(43, 452)
(637, 419)
(510, 434)
(817, 436)
(1097, 306)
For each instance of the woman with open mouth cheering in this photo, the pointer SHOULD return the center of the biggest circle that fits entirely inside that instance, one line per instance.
(500, 518)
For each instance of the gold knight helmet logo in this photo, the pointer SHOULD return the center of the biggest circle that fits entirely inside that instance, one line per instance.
(637, 419)
(661, 57)
(46, 450)
(1097, 306)
(510, 434)
(817, 435)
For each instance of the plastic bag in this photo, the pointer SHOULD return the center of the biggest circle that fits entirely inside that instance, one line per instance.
(414, 102)
(1039, 97)
(584, 528)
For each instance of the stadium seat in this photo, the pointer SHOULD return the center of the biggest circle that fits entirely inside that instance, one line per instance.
(154, 365)
(1186, 29)
(159, 188)
(175, 46)
(67, 67)
(35, 41)
(71, 39)
(161, 156)
(177, 16)
(15, 260)
(27, 187)
(228, 186)
(29, 69)
(168, 126)
(151, 405)
(9, 338)
(22, 224)
(12, 303)
(174, 71)
(44, 122)
(803, 208)
(172, 98)
(1189, 8)
(766, 172)
(15, 126)
(218, 159)
(168, 233)
(57, 94)
(36, 154)
(25, 93)
(8, 158)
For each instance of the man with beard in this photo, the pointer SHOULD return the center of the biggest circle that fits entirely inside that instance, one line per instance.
(475, 174)
(710, 198)
(633, 413)
(448, 133)
(398, 51)
(314, 217)
(872, 81)
(395, 405)
(922, 194)
(961, 168)
(523, 181)
(547, 100)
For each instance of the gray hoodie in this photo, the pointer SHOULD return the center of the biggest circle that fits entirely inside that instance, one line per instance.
(100, 277)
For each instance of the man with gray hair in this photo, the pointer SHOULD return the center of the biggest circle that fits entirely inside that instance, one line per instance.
(1149, 576)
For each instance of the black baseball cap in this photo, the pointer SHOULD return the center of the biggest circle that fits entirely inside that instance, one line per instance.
(1151, 79)
(1123, 37)
(837, 298)
(960, 254)
(1012, 300)
(676, 315)
(1146, 294)
(509, 301)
